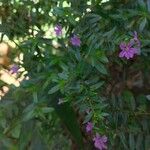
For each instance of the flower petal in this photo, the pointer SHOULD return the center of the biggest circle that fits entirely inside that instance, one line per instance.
(134, 50)
(104, 138)
(127, 56)
(75, 41)
(123, 46)
(122, 54)
(58, 30)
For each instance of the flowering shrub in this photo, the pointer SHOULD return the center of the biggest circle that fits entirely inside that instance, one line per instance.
(88, 69)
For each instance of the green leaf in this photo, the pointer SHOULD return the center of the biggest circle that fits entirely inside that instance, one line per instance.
(35, 97)
(142, 3)
(47, 82)
(47, 109)
(37, 142)
(104, 114)
(28, 112)
(63, 75)
(88, 117)
(101, 68)
(142, 24)
(110, 33)
(58, 11)
(53, 89)
(129, 98)
(97, 85)
(26, 134)
(16, 131)
(123, 140)
(104, 59)
(77, 54)
(131, 141)
(148, 5)
(68, 117)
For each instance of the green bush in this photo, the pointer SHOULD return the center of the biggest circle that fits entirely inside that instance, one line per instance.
(88, 67)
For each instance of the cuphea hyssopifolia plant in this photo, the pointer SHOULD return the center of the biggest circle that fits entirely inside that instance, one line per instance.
(128, 50)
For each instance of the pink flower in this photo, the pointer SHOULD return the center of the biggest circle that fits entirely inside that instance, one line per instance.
(58, 30)
(127, 50)
(75, 41)
(100, 142)
(89, 127)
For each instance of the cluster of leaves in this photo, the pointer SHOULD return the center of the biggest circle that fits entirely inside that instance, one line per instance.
(69, 86)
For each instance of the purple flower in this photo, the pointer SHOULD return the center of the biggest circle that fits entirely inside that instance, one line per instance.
(136, 39)
(100, 142)
(89, 127)
(14, 69)
(58, 30)
(75, 41)
(136, 42)
(127, 50)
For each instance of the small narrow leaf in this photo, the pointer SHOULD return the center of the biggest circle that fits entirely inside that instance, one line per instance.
(53, 89)
(97, 85)
(101, 68)
(143, 24)
(129, 98)
(123, 140)
(131, 141)
(148, 5)
(26, 134)
(88, 118)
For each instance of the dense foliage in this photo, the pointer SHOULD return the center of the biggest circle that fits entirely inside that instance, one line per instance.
(81, 91)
